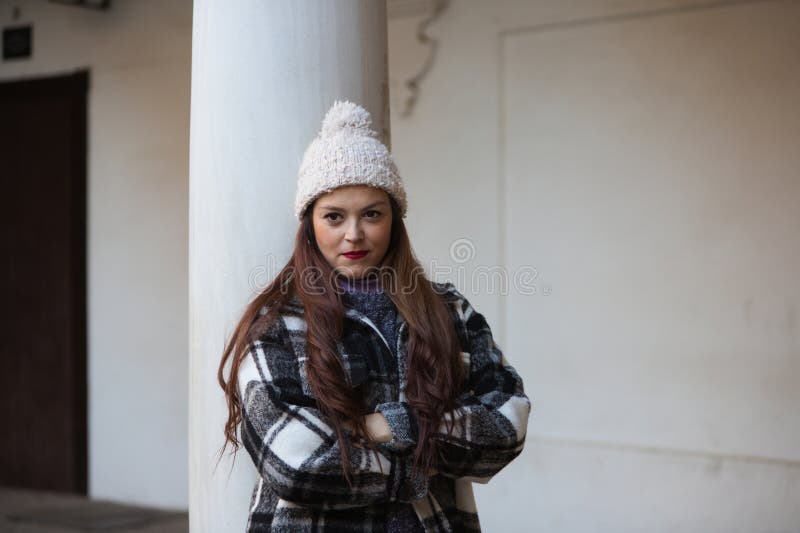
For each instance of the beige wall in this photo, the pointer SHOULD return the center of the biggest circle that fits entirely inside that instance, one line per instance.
(138, 55)
(642, 157)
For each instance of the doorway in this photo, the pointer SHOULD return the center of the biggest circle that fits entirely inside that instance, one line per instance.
(43, 338)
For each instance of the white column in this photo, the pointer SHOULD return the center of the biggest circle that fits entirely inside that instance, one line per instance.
(263, 75)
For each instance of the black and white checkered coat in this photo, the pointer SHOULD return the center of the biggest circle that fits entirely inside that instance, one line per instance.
(297, 454)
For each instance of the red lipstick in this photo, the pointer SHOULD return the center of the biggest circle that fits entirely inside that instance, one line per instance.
(355, 255)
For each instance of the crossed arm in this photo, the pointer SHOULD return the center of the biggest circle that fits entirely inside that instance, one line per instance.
(491, 424)
(297, 451)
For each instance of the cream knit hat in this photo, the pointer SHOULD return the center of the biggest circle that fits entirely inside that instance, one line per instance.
(346, 151)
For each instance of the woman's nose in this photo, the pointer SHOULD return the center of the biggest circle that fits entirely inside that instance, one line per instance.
(354, 232)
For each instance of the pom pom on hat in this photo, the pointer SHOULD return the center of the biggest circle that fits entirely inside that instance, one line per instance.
(347, 117)
(347, 151)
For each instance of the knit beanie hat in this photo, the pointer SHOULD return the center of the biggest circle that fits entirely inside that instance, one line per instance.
(346, 151)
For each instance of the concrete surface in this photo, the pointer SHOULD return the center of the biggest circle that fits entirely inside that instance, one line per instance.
(29, 511)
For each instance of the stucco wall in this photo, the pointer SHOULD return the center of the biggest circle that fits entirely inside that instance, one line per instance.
(640, 159)
(138, 55)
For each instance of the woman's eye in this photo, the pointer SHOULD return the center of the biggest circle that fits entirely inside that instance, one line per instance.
(330, 216)
(376, 215)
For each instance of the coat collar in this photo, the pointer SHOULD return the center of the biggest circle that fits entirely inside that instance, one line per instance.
(295, 307)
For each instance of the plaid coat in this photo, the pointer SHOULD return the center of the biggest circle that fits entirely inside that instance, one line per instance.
(297, 453)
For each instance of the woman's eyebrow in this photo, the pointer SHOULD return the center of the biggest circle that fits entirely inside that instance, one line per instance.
(335, 208)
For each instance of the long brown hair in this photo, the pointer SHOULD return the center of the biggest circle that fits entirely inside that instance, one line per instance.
(435, 371)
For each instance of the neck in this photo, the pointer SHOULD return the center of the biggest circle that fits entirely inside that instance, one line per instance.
(368, 284)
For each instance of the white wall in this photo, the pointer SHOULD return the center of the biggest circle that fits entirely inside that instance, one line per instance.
(138, 54)
(642, 156)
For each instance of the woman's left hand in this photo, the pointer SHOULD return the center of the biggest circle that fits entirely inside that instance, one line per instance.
(377, 427)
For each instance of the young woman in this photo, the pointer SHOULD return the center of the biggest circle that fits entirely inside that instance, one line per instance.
(368, 397)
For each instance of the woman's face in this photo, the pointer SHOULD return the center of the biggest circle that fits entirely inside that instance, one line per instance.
(353, 218)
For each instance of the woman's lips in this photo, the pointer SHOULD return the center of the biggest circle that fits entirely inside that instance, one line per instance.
(355, 255)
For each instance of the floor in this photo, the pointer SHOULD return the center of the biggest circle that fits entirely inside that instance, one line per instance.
(28, 511)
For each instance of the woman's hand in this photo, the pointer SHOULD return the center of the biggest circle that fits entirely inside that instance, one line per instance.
(377, 427)
(379, 431)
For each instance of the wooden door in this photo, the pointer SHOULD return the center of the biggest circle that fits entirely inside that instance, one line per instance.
(43, 283)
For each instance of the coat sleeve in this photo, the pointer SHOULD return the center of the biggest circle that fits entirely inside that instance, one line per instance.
(491, 426)
(295, 447)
